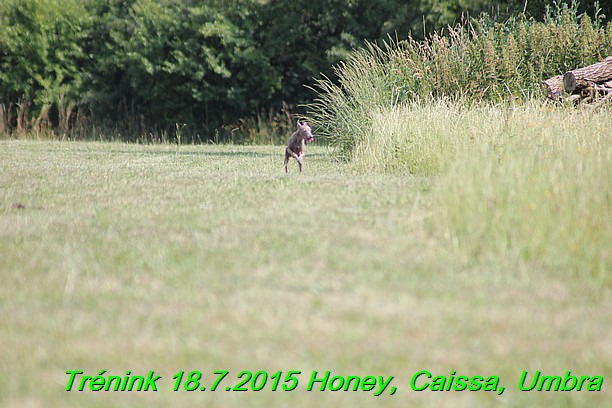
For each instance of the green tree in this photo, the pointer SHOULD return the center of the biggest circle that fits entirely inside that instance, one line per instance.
(305, 38)
(188, 62)
(40, 54)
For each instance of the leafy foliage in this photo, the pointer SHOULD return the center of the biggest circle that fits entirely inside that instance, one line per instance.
(40, 56)
(178, 62)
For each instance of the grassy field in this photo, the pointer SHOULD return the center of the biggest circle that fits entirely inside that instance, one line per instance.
(128, 257)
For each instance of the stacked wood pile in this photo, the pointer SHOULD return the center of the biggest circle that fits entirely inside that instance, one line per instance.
(589, 84)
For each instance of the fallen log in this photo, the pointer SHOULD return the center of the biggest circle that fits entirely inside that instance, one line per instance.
(553, 87)
(589, 76)
(592, 83)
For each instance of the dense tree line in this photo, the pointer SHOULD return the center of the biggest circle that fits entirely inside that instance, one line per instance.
(140, 67)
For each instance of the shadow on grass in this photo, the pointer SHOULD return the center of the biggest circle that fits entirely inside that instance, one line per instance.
(227, 151)
(236, 154)
(232, 154)
(193, 153)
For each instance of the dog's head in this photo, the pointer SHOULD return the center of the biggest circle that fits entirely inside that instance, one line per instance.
(305, 131)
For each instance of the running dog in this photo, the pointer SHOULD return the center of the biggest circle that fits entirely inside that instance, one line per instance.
(297, 143)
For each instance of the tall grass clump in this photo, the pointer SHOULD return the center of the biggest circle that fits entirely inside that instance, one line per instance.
(540, 191)
(343, 113)
(423, 138)
(478, 60)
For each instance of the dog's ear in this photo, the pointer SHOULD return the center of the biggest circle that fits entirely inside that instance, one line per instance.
(299, 123)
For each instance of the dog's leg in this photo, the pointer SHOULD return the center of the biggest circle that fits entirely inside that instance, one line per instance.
(286, 162)
(288, 154)
(300, 160)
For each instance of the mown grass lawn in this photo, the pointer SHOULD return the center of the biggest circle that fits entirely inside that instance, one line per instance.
(128, 257)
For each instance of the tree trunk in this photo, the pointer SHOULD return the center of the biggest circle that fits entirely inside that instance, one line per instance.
(553, 87)
(587, 76)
